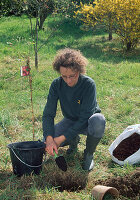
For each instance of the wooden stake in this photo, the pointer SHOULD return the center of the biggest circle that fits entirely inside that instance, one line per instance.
(30, 82)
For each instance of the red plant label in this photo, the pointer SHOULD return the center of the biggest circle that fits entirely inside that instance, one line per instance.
(25, 71)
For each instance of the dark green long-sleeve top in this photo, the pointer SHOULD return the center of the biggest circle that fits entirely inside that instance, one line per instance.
(77, 103)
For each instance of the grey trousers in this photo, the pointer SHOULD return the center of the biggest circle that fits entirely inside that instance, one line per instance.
(96, 126)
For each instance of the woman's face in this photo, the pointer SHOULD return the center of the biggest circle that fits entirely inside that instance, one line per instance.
(69, 76)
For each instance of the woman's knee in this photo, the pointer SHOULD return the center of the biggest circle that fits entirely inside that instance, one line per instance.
(61, 127)
(96, 125)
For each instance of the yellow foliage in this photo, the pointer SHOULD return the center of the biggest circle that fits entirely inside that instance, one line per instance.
(121, 15)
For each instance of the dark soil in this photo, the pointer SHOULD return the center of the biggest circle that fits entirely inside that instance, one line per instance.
(127, 147)
(128, 186)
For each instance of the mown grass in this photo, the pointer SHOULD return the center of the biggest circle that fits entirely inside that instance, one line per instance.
(117, 77)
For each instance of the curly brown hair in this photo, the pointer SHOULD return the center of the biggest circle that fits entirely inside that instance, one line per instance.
(70, 58)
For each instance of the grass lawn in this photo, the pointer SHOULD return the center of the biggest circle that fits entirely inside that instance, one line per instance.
(117, 77)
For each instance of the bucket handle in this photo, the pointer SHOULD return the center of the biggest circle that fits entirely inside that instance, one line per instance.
(26, 163)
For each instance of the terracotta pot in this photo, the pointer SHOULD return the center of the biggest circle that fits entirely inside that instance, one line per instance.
(99, 191)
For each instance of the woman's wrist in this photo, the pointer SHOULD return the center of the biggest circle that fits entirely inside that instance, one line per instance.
(59, 140)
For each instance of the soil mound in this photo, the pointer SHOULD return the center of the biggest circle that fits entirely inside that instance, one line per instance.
(128, 186)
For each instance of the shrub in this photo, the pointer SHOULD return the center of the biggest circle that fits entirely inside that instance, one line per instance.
(122, 16)
(128, 22)
(11, 7)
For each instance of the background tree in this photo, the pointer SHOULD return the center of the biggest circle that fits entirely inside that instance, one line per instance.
(11, 7)
(128, 22)
(122, 16)
(68, 7)
(40, 9)
(100, 11)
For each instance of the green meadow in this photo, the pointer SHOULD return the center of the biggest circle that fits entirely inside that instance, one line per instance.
(117, 77)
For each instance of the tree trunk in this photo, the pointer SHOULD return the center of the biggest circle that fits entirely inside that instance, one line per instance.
(36, 43)
(42, 20)
(110, 27)
(36, 59)
(110, 33)
(129, 45)
(43, 16)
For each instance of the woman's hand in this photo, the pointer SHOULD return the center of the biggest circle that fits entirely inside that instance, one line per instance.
(51, 146)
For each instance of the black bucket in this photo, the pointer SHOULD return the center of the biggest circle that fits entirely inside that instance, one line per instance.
(27, 157)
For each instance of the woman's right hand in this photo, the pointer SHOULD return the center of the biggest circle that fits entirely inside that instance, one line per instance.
(51, 146)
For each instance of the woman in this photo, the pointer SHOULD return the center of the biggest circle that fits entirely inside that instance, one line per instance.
(77, 95)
